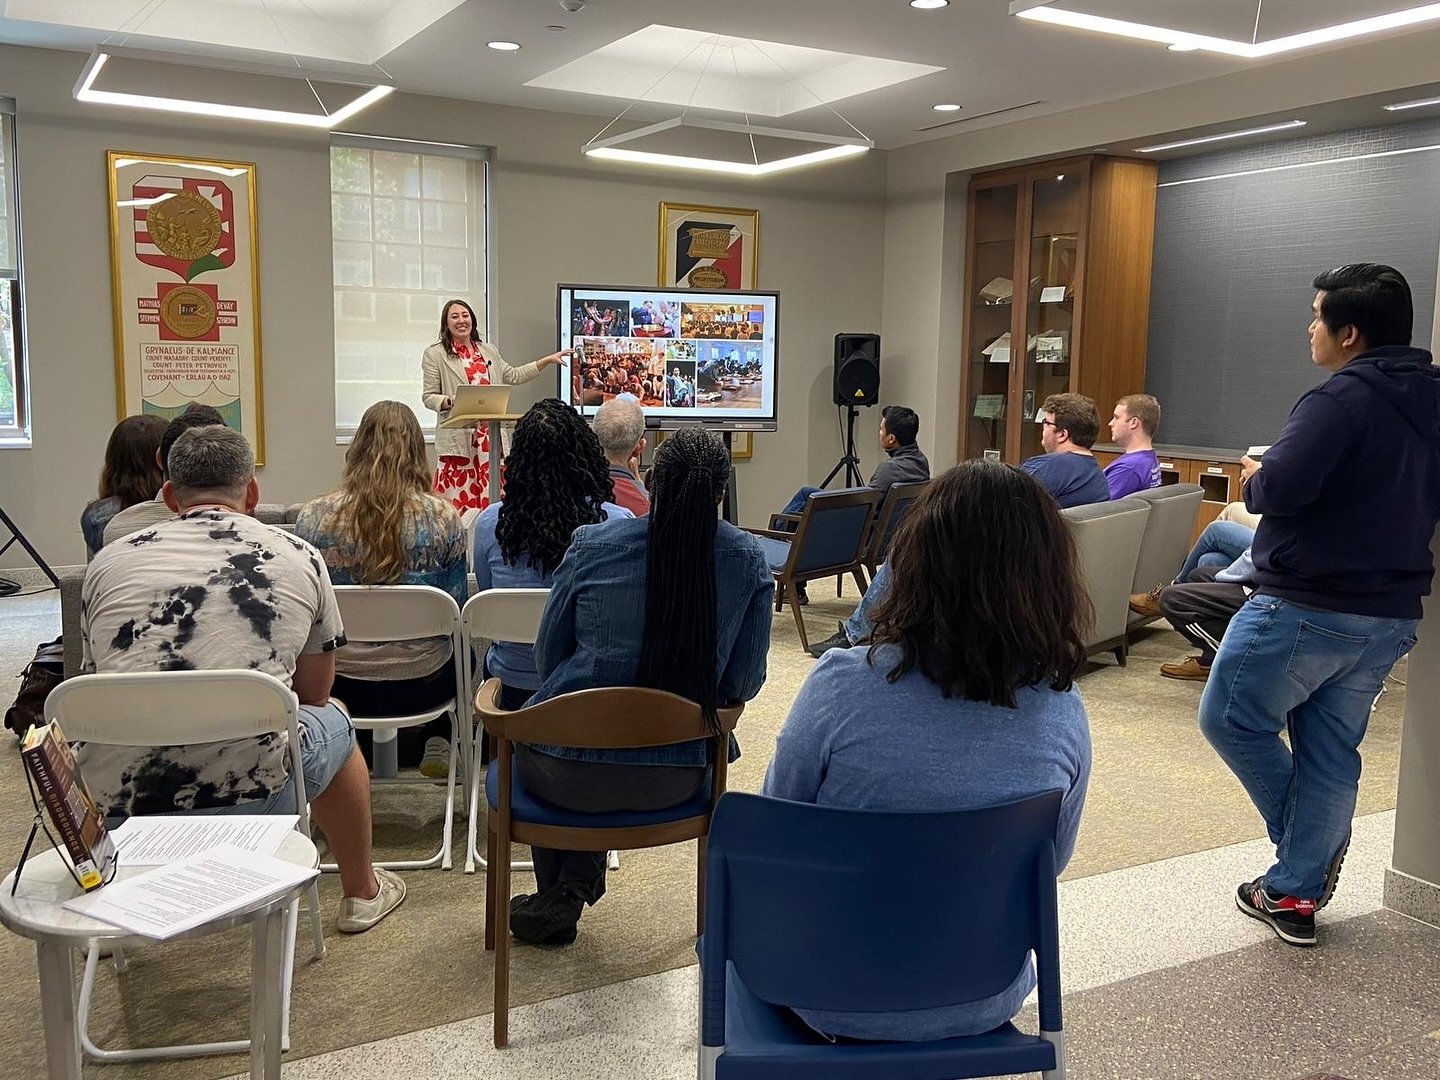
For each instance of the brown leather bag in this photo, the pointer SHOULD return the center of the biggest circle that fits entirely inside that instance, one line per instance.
(40, 676)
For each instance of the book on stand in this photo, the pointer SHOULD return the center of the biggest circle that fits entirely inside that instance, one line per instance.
(62, 791)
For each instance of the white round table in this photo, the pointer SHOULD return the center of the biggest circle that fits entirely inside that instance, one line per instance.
(35, 911)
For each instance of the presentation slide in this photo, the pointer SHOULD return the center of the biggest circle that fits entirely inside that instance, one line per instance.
(687, 356)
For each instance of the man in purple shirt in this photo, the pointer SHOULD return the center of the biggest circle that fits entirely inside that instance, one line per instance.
(1132, 427)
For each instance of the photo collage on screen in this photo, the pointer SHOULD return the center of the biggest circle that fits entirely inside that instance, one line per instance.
(668, 354)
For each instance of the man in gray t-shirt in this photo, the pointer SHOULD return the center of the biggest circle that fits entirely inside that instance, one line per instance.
(213, 588)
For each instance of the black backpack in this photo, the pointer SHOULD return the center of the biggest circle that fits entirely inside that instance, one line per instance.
(40, 676)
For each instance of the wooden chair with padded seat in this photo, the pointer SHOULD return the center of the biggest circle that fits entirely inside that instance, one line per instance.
(830, 540)
(607, 718)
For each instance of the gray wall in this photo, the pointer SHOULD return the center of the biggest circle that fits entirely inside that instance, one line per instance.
(1235, 255)
(556, 217)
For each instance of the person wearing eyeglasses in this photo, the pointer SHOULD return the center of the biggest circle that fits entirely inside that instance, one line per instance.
(1068, 470)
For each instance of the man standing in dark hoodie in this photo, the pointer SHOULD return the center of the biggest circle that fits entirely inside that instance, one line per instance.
(1350, 495)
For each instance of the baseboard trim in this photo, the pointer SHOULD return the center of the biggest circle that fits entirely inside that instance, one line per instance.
(31, 577)
(1412, 896)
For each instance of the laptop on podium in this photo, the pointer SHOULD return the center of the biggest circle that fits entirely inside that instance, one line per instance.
(477, 402)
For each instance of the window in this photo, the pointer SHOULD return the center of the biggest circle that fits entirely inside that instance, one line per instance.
(13, 419)
(408, 222)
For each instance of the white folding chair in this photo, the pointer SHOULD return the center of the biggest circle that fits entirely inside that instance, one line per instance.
(408, 613)
(492, 615)
(176, 708)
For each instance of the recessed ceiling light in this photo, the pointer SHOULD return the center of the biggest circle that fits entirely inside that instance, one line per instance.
(1047, 12)
(554, 26)
(504, 46)
(1184, 46)
(928, 5)
(1401, 106)
(1226, 135)
(946, 108)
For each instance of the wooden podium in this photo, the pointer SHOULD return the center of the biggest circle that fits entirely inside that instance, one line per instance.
(492, 422)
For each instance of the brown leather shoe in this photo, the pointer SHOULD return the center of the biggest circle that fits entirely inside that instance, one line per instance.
(1147, 603)
(1189, 668)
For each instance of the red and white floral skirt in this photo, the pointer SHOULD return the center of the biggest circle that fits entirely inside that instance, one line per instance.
(465, 481)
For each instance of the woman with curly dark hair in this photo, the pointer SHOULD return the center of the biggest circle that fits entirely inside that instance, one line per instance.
(678, 601)
(556, 479)
(964, 699)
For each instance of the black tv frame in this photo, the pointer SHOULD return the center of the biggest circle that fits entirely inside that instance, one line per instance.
(675, 423)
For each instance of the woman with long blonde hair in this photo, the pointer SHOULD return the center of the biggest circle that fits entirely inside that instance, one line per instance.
(384, 526)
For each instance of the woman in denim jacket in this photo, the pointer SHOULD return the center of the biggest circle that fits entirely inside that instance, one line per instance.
(678, 601)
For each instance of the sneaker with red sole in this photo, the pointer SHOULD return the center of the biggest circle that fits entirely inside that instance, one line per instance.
(1292, 918)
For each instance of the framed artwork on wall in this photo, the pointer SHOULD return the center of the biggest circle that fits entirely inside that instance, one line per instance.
(185, 286)
(708, 247)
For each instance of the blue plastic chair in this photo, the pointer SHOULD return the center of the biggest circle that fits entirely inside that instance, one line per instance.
(862, 911)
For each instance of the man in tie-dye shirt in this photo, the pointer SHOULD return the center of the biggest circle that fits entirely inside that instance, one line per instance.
(214, 588)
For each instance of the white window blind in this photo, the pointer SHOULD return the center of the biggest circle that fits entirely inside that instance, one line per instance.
(409, 233)
(13, 423)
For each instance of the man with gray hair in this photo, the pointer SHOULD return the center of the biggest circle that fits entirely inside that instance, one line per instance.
(214, 588)
(619, 424)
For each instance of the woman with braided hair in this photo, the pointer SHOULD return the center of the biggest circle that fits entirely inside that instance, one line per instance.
(677, 601)
(556, 479)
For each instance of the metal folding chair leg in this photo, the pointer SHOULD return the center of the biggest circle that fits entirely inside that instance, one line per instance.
(189, 1050)
(441, 858)
(472, 852)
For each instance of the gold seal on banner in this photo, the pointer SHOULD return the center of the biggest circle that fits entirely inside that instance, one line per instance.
(708, 277)
(184, 225)
(708, 243)
(187, 312)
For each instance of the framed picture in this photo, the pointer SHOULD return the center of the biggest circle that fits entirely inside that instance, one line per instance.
(708, 247)
(742, 443)
(185, 285)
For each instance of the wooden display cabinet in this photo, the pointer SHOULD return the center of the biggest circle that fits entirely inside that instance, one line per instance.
(1057, 294)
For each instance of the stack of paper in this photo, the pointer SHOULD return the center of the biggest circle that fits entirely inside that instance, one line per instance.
(184, 895)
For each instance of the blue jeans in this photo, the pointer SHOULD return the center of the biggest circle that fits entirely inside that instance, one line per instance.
(1316, 674)
(1220, 544)
(796, 505)
(327, 739)
(858, 626)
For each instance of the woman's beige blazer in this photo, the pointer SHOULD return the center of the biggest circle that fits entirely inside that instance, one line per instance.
(442, 373)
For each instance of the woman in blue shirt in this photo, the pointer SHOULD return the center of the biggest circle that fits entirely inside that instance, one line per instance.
(678, 601)
(556, 479)
(964, 698)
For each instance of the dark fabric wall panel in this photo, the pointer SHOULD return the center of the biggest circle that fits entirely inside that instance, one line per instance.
(1235, 255)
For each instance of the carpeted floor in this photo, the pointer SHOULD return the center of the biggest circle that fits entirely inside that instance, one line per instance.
(1157, 791)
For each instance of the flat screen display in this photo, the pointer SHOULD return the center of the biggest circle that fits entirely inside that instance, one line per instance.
(687, 356)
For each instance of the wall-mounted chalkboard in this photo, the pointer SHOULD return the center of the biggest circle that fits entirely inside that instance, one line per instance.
(1240, 235)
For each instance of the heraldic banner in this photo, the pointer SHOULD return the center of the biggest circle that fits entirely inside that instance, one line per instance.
(713, 248)
(186, 288)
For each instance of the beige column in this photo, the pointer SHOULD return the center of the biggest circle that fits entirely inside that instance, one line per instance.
(1412, 884)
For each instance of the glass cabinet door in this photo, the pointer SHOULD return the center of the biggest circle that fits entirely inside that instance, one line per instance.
(989, 352)
(1054, 256)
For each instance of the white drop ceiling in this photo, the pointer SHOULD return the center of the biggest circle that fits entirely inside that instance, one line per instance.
(999, 68)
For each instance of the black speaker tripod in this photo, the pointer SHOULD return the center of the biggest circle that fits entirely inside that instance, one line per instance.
(850, 462)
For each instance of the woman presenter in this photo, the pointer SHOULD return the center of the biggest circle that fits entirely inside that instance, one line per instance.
(459, 358)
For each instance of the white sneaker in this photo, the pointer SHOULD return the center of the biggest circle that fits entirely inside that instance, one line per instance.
(357, 915)
(435, 764)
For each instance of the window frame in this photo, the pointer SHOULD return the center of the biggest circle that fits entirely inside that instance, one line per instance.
(481, 233)
(18, 433)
